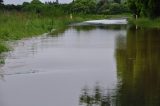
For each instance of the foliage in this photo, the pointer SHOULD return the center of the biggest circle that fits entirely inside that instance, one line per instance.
(117, 1)
(35, 6)
(132, 6)
(75, 7)
(116, 8)
(149, 8)
(84, 6)
(102, 7)
(110, 8)
(1, 4)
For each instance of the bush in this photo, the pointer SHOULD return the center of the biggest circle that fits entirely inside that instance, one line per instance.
(116, 8)
(84, 6)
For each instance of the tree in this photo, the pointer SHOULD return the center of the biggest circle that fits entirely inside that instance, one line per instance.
(149, 8)
(1, 3)
(84, 6)
(36, 2)
(35, 6)
(102, 6)
(117, 1)
(57, 1)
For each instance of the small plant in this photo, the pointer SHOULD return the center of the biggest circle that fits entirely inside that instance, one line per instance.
(3, 48)
(2, 61)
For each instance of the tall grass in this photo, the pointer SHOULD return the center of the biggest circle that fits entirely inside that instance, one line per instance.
(18, 25)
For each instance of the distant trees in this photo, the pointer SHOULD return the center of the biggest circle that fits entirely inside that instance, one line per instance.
(35, 6)
(102, 6)
(99, 7)
(84, 6)
(1, 3)
(75, 7)
(47, 8)
(57, 1)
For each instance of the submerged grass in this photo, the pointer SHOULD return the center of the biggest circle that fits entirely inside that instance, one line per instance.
(18, 25)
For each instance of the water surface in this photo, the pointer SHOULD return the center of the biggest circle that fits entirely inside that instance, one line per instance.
(84, 65)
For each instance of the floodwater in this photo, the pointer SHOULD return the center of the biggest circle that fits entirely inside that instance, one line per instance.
(90, 65)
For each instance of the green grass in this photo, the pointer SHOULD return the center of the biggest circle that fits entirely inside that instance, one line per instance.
(146, 22)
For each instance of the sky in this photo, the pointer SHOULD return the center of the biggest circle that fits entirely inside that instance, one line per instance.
(21, 1)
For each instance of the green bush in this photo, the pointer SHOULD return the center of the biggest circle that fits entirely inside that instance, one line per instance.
(84, 6)
(116, 8)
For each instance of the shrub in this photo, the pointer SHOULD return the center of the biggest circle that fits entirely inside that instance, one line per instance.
(116, 8)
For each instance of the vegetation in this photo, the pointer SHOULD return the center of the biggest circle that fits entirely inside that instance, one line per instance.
(146, 22)
(137, 58)
(147, 8)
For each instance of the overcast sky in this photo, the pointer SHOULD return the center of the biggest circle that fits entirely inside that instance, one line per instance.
(21, 1)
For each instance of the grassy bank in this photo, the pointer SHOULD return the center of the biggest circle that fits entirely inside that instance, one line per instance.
(16, 25)
(146, 22)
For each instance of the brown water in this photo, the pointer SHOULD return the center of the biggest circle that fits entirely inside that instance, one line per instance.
(84, 65)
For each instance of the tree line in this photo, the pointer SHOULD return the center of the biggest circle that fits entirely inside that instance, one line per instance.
(75, 7)
(143, 8)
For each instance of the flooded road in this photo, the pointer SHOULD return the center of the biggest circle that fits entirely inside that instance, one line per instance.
(51, 70)
(108, 64)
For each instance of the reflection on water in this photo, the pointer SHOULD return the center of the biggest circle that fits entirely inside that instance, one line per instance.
(138, 68)
(96, 96)
(2, 63)
(105, 27)
(138, 72)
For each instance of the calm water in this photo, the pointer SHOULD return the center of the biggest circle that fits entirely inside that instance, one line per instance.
(84, 65)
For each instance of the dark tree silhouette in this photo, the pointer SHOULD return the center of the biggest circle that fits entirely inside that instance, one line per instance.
(1, 2)
(117, 1)
(57, 1)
